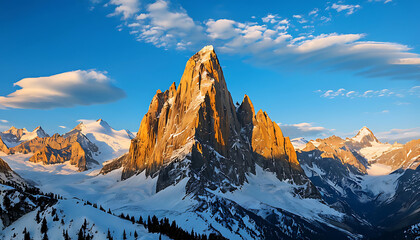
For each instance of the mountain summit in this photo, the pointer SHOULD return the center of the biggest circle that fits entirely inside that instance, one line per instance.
(365, 135)
(195, 131)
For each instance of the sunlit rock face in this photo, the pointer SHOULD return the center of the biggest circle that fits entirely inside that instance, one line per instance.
(194, 130)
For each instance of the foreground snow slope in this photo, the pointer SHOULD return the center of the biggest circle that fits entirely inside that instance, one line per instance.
(73, 212)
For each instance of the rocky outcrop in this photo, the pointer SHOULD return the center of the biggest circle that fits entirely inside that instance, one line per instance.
(3, 146)
(15, 136)
(337, 149)
(405, 157)
(7, 175)
(196, 131)
(73, 147)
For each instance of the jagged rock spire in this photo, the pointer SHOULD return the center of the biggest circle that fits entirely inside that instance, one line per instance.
(195, 131)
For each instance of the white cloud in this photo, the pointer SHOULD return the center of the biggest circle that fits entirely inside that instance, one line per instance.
(415, 91)
(222, 29)
(366, 94)
(277, 41)
(343, 7)
(126, 8)
(3, 121)
(165, 27)
(63, 90)
(384, 1)
(63, 127)
(314, 12)
(399, 135)
(304, 130)
(325, 41)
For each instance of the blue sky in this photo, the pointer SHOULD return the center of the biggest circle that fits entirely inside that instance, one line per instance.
(318, 68)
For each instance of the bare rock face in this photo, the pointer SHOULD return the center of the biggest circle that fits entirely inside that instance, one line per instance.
(196, 131)
(3, 146)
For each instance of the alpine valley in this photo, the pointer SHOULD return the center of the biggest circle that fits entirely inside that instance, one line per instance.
(202, 167)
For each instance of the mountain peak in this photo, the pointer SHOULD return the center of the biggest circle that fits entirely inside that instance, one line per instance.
(208, 48)
(363, 133)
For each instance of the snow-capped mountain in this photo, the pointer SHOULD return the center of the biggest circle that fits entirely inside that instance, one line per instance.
(111, 143)
(15, 136)
(357, 175)
(299, 143)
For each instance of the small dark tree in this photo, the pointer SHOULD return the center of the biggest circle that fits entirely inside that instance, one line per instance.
(84, 226)
(124, 235)
(27, 236)
(135, 234)
(44, 226)
(108, 236)
(81, 235)
(132, 219)
(45, 237)
(140, 220)
(6, 202)
(38, 218)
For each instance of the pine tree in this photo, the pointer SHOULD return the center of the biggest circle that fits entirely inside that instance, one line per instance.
(38, 218)
(124, 235)
(108, 236)
(80, 235)
(6, 202)
(140, 220)
(45, 237)
(84, 226)
(27, 236)
(135, 234)
(44, 226)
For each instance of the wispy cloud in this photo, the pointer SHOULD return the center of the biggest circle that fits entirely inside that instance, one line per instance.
(63, 90)
(304, 130)
(63, 127)
(126, 8)
(364, 94)
(399, 135)
(3, 121)
(349, 9)
(271, 41)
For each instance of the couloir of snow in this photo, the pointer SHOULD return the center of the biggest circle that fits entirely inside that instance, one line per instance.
(74, 212)
(111, 143)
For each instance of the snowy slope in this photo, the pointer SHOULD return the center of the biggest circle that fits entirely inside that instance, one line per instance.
(111, 143)
(73, 212)
(137, 196)
(264, 188)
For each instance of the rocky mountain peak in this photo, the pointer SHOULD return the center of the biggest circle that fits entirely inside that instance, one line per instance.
(365, 135)
(194, 130)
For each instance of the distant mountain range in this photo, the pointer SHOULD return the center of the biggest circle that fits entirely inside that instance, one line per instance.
(212, 167)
